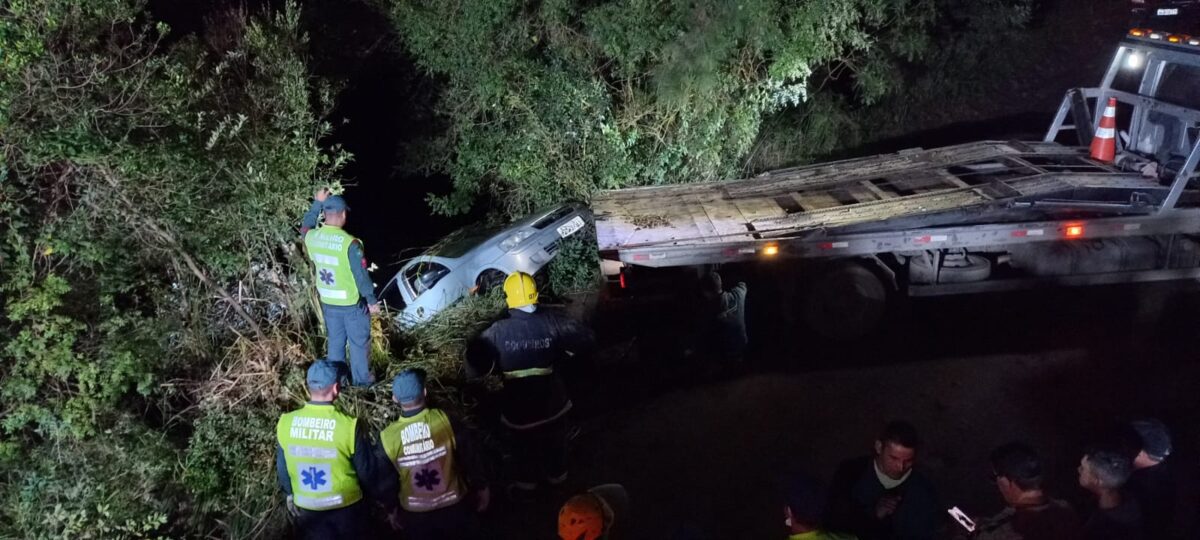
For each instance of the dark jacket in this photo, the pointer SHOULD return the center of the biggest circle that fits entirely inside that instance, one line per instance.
(1053, 520)
(1155, 491)
(729, 323)
(856, 490)
(525, 348)
(1121, 523)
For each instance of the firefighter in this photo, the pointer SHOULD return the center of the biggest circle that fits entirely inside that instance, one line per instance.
(347, 295)
(439, 469)
(526, 348)
(326, 461)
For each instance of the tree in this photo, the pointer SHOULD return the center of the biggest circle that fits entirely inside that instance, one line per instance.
(147, 213)
(556, 99)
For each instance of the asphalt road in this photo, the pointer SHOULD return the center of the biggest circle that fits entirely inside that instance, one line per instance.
(1056, 369)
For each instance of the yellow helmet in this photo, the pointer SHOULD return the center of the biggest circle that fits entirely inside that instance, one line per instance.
(520, 290)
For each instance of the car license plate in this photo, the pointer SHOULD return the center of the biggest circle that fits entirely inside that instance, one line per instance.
(1166, 12)
(570, 227)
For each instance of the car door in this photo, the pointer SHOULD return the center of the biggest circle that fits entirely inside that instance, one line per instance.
(435, 285)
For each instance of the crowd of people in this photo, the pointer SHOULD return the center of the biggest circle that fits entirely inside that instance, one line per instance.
(429, 478)
(882, 495)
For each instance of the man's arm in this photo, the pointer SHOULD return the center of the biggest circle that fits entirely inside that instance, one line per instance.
(281, 471)
(573, 335)
(309, 221)
(468, 453)
(376, 475)
(481, 356)
(740, 291)
(358, 267)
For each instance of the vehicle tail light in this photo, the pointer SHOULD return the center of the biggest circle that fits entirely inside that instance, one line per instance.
(771, 250)
(1074, 231)
(1137, 32)
(622, 280)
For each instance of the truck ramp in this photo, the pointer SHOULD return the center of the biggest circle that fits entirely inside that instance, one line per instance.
(873, 189)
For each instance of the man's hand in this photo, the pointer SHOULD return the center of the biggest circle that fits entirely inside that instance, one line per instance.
(374, 308)
(482, 499)
(886, 506)
(394, 521)
(321, 194)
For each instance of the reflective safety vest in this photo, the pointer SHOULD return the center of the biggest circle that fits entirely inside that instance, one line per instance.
(327, 247)
(317, 443)
(422, 449)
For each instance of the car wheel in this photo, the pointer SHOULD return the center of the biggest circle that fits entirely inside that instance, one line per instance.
(488, 280)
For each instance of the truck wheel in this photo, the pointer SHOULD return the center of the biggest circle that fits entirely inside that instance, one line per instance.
(968, 269)
(845, 302)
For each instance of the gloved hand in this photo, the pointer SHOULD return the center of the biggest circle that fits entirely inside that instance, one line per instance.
(291, 507)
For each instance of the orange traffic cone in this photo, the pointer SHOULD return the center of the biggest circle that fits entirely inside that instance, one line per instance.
(1104, 143)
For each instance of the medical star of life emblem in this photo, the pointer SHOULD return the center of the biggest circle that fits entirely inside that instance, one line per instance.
(326, 276)
(428, 479)
(313, 478)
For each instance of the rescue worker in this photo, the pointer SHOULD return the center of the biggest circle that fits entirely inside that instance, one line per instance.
(346, 292)
(526, 348)
(326, 462)
(728, 325)
(883, 496)
(438, 467)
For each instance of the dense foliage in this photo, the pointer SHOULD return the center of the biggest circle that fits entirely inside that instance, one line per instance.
(553, 99)
(148, 205)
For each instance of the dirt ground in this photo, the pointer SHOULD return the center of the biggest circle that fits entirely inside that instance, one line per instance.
(1056, 369)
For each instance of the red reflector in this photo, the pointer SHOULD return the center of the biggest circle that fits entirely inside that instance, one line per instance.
(641, 257)
(622, 274)
(1074, 231)
(1020, 233)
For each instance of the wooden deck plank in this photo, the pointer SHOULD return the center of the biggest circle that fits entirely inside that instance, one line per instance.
(816, 200)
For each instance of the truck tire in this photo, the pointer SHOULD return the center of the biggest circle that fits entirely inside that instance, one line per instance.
(968, 269)
(847, 301)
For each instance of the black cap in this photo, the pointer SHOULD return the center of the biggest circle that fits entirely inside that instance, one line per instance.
(1156, 440)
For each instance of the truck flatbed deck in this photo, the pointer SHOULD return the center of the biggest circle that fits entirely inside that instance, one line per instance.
(866, 190)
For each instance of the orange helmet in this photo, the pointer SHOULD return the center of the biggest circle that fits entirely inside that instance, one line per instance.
(581, 518)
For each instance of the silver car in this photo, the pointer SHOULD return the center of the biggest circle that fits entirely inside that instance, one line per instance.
(477, 258)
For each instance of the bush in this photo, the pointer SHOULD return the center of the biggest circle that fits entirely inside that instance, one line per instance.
(115, 484)
(229, 470)
(577, 266)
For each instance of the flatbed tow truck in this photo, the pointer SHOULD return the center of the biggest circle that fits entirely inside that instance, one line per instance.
(976, 217)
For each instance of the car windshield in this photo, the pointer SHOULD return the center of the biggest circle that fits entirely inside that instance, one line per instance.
(391, 297)
(423, 276)
(459, 242)
(1180, 85)
(552, 217)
